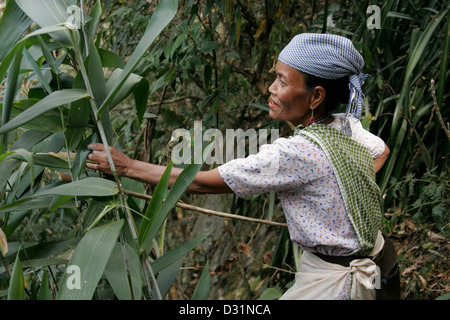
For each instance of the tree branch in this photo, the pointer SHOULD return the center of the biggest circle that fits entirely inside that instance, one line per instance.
(210, 212)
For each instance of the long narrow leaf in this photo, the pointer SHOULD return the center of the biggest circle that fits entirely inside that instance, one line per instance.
(203, 287)
(179, 187)
(155, 203)
(118, 274)
(53, 100)
(88, 262)
(45, 160)
(13, 24)
(163, 14)
(173, 255)
(127, 88)
(168, 265)
(48, 13)
(16, 284)
(79, 115)
(10, 92)
(37, 70)
(85, 187)
(11, 87)
(44, 291)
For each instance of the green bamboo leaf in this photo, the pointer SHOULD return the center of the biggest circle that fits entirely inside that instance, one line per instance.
(96, 187)
(3, 156)
(53, 100)
(168, 265)
(105, 210)
(79, 116)
(110, 59)
(16, 288)
(203, 287)
(95, 73)
(117, 273)
(88, 262)
(47, 122)
(42, 159)
(7, 60)
(141, 93)
(179, 187)
(11, 88)
(270, 294)
(49, 13)
(28, 158)
(47, 30)
(96, 15)
(163, 14)
(127, 88)
(174, 255)
(14, 22)
(96, 207)
(166, 278)
(42, 253)
(155, 203)
(29, 203)
(37, 70)
(26, 141)
(44, 291)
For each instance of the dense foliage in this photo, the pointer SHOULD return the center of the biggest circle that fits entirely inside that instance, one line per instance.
(136, 72)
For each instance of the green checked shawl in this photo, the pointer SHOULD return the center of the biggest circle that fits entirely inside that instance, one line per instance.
(354, 169)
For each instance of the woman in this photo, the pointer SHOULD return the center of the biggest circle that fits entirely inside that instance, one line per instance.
(326, 175)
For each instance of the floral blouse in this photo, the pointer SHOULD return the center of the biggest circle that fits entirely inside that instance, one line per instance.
(306, 186)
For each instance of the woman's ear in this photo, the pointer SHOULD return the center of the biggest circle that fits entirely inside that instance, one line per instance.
(317, 97)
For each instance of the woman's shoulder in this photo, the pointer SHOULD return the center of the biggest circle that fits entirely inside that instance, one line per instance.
(295, 145)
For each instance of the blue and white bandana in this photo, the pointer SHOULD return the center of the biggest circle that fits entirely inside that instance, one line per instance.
(328, 56)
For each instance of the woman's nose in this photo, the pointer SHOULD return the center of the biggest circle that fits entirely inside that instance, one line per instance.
(272, 87)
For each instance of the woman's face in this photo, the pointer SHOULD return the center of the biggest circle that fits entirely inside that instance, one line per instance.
(289, 98)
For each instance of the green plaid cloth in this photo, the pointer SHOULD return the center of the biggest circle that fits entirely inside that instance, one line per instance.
(354, 169)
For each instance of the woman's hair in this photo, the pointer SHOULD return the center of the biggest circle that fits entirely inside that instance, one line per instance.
(337, 90)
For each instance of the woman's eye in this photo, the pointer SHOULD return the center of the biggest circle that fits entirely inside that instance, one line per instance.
(278, 78)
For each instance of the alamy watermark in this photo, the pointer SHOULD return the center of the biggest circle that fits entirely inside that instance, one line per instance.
(224, 148)
(374, 20)
(74, 20)
(74, 280)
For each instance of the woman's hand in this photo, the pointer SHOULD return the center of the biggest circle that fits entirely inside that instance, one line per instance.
(99, 160)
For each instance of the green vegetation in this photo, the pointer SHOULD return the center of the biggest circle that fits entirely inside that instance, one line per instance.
(134, 73)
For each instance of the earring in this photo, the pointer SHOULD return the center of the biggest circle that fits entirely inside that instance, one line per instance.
(312, 117)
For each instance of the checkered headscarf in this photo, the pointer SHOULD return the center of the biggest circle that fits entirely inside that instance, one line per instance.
(328, 56)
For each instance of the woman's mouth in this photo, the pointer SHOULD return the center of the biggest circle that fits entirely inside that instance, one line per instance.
(272, 104)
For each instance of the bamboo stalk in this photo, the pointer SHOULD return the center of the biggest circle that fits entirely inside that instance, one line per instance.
(210, 212)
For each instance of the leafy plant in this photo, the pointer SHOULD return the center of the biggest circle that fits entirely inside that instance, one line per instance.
(214, 63)
(59, 91)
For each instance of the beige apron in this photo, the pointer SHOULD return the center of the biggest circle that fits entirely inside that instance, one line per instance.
(321, 280)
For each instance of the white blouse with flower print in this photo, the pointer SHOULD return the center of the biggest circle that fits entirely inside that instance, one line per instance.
(306, 186)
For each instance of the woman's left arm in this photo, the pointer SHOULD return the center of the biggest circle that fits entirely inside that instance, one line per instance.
(381, 159)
